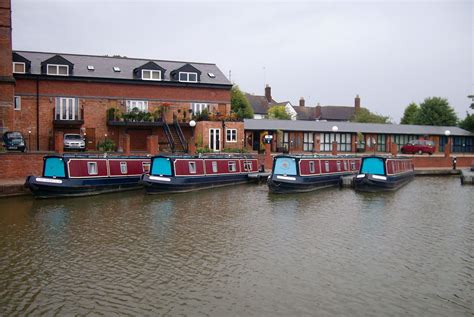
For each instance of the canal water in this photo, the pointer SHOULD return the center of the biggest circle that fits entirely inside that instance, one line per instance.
(241, 251)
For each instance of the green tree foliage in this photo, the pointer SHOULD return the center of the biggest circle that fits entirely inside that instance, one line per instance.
(436, 111)
(239, 104)
(279, 113)
(410, 114)
(468, 122)
(365, 116)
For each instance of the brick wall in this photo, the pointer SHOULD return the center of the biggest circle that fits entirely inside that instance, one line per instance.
(20, 165)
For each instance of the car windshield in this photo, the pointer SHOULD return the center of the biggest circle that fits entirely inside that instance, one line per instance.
(72, 137)
(14, 135)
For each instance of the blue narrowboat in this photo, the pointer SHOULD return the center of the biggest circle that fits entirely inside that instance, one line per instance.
(82, 175)
(294, 174)
(177, 174)
(378, 173)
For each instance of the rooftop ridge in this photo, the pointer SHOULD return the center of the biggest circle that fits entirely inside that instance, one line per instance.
(117, 57)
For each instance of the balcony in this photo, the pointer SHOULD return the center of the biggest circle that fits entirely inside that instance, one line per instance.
(67, 120)
(133, 119)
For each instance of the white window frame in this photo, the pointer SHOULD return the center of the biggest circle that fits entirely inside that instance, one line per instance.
(151, 72)
(353, 165)
(92, 168)
(192, 167)
(17, 103)
(326, 166)
(248, 166)
(199, 107)
(215, 142)
(63, 107)
(123, 168)
(214, 166)
(142, 105)
(311, 167)
(57, 66)
(146, 167)
(232, 166)
(338, 164)
(345, 165)
(232, 133)
(187, 75)
(19, 63)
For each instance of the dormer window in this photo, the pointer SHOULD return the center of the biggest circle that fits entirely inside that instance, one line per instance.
(148, 74)
(19, 68)
(57, 70)
(188, 77)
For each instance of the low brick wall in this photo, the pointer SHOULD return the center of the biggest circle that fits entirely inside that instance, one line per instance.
(19, 165)
(442, 162)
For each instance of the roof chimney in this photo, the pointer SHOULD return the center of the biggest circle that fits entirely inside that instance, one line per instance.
(301, 102)
(357, 103)
(318, 111)
(268, 93)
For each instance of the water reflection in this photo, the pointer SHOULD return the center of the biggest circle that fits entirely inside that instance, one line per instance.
(241, 251)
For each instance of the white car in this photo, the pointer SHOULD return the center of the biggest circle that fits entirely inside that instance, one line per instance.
(74, 142)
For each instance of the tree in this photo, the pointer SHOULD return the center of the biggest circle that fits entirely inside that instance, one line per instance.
(279, 113)
(410, 114)
(239, 104)
(468, 122)
(436, 111)
(365, 116)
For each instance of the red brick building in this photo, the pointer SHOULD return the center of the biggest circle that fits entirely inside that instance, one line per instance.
(101, 97)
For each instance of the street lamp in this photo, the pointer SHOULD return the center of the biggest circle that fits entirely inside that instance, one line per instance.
(29, 140)
(334, 130)
(447, 133)
(192, 124)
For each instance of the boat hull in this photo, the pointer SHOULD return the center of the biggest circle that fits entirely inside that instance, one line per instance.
(43, 187)
(278, 185)
(165, 185)
(370, 184)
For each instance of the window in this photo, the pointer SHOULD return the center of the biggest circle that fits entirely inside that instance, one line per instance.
(90, 67)
(67, 109)
(212, 75)
(146, 167)
(231, 135)
(123, 167)
(57, 70)
(381, 143)
(116, 69)
(326, 166)
(247, 166)
(92, 168)
(188, 77)
(214, 166)
(338, 166)
(141, 105)
(199, 107)
(192, 167)
(353, 165)
(232, 166)
(308, 141)
(344, 143)
(19, 68)
(345, 165)
(148, 74)
(311, 166)
(286, 140)
(17, 103)
(401, 140)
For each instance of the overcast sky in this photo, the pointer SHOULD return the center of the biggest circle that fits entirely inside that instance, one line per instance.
(389, 53)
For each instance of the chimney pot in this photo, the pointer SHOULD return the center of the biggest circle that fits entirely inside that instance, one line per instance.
(357, 103)
(301, 102)
(268, 93)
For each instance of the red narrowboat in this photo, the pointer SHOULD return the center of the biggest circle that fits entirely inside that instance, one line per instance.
(294, 174)
(378, 173)
(176, 174)
(82, 175)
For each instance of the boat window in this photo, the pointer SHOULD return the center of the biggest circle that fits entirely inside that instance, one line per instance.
(338, 166)
(345, 165)
(92, 168)
(353, 165)
(285, 166)
(393, 166)
(311, 166)
(192, 167)
(146, 167)
(160, 166)
(326, 166)
(214, 166)
(247, 166)
(123, 167)
(232, 167)
(373, 165)
(54, 167)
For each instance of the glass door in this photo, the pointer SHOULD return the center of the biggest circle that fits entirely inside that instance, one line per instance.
(215, 139)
